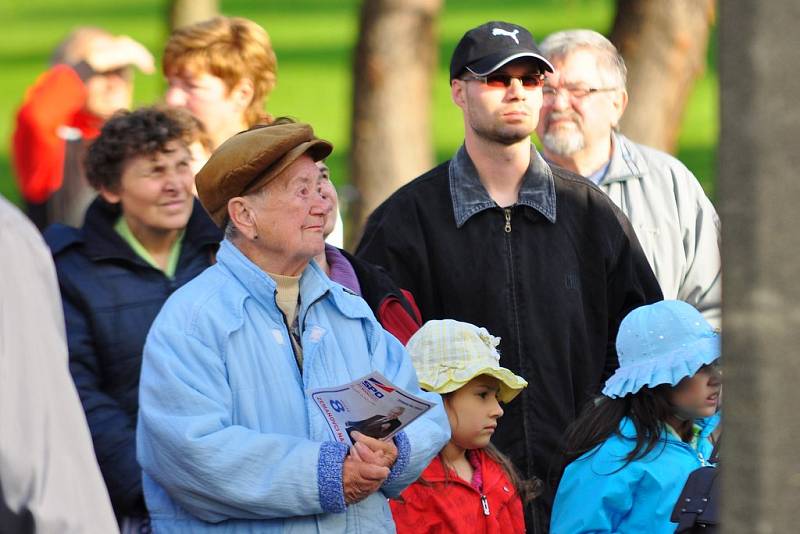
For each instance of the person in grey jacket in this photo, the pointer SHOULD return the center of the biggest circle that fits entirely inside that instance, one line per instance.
(675, 222)
(49, 478)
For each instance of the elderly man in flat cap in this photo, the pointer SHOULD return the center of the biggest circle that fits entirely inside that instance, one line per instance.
(228, 437)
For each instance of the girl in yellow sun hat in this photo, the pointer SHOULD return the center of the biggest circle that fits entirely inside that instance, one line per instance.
(470, 486)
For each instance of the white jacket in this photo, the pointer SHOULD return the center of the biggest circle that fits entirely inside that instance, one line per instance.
(675, 222)
(49, 478)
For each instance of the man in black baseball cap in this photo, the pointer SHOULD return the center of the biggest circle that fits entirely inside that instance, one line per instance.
(536, 255)
(488, 47)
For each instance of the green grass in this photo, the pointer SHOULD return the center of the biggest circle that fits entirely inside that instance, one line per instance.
(314, 41)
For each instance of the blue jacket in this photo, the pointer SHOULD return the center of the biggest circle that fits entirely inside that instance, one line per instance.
(111, 297)
(228, 437)
(598, 495)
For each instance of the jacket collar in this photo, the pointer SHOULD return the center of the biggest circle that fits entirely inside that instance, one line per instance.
(469, 196)
(706, 424)
(88, 123)
(313, 282)
(626, 162)
(102, 242)
(490, 472)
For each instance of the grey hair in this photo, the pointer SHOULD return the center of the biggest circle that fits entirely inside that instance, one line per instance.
(230, 231)
(562, 43)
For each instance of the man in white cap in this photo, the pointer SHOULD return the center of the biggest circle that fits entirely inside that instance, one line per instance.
(497, 238)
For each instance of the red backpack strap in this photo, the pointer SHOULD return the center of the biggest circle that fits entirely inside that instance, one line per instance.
(396, 319)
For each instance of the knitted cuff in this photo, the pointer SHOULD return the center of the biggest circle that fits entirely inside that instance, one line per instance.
(403, 456)
(329, 476)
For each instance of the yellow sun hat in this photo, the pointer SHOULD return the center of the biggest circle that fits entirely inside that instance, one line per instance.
(447, 354)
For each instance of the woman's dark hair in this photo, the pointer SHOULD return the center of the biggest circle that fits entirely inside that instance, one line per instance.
(648, 409)
(128, 134)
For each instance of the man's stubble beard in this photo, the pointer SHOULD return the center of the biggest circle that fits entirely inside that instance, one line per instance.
(504, 135)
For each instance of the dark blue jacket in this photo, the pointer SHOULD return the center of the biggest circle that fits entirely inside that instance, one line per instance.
(111, 296)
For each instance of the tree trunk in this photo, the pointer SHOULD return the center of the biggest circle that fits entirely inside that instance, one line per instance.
(185, 12)
(758, 197)
(664, 43)
(394, 70)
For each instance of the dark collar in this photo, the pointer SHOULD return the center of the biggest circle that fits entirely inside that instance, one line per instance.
(101, 241)
(470, 197)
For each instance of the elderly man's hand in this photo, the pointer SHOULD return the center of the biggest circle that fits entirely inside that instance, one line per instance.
(383, 453)
(360, 478)
(111, 53)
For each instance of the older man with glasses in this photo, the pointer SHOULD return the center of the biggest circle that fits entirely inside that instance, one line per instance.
(674, 220)
(498, 238)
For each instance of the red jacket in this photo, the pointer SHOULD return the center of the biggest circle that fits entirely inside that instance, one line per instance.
(55, 101)
(457, 507)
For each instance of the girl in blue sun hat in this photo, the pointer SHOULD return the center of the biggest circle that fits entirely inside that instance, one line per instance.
(632, 449)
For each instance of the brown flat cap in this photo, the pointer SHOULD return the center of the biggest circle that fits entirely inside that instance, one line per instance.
(251, 159)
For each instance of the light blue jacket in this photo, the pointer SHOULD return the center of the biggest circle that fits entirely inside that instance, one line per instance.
(228, 437)
(596, 496)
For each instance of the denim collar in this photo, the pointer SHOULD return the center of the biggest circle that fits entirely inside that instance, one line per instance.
(470, 196)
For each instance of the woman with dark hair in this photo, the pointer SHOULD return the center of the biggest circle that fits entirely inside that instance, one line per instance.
(631, 450)
(143, 237)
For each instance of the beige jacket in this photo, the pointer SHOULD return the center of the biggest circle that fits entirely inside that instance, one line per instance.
(675, 222)
(49, 478)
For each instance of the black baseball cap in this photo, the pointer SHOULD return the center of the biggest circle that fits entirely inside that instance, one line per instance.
(488, 47)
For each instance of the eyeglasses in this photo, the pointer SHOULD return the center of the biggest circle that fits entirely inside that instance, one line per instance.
(498, 80)
(575, 93)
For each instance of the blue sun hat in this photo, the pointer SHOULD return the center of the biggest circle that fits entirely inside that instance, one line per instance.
(661, 343)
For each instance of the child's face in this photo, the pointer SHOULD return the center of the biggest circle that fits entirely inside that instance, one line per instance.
(698, 395)
(473, 411)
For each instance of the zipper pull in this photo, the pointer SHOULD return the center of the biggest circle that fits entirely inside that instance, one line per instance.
(485, 505)
(507, 212)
